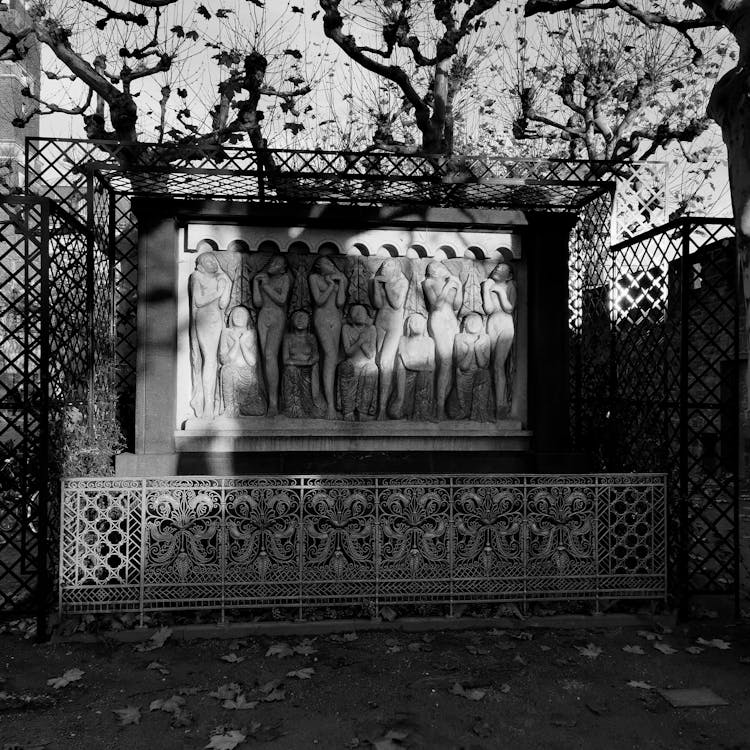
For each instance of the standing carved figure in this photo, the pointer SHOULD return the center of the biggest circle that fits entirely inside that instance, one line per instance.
(472, 350)
(300, 387)
(415, 373)
(389, 295)
(209, 289)
(499, 301)
(270, 294)
(328, 290)
(444, 297)
(358, 373)
(241, 384)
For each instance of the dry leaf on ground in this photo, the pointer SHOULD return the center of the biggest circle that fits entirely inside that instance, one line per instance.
(590, 650)
(227, 691)
(305, 647)
(694, 650)
(168, 705)
(302, 674)
(665, 648)
(157, 640)
(158, 667)
(640, 685)
(70, 675)
(280, 650)
(225, 740)
(232, 658)
(128, 715)
(472, 694)
(715, 643)
(633, 650)
(239, 703)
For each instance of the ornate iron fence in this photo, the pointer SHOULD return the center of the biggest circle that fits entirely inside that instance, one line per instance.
(656, 355)
(54, 301)
(302, 541)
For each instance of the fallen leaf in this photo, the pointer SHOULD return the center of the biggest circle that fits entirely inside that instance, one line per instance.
(715, 643)
(388, 614)
(302, 674)
(280, 650)
(590, 650)
(128, 715)
(239, 703)
(226, 740)
(71, 675)
(275, 695)
(227, 691)
(269, 686)
(633, 650)
(395, 649)
(168, 705)
(743, 659)
(520, 660)
(520, 635)
(349, 637)
(181, 718)
(505, 688)
(542, 647)
(472, 694)
(477, 650)
(237, 644)
(159, 667)
(640, 685)
(665, 648)
(232, 658)
(157, 640)
(648, 635)
(390, 741)
(305, 648)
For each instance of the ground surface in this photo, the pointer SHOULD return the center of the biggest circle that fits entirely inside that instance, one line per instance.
(518, 688)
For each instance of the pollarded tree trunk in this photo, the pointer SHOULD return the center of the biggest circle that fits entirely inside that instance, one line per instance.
(730, 107)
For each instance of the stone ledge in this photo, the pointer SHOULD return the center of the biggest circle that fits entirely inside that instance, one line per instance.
(283, 433)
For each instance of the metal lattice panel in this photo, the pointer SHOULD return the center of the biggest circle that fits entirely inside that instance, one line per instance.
(300, 541)
(662, 351)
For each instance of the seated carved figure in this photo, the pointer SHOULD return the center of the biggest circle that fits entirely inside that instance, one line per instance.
(358, 373)
(300, 383)
(241, 385)
(472, 349)
(415, 373)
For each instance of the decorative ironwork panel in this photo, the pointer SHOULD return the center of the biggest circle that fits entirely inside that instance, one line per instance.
(262, 541)
(666, 317)
(302, 541)
(338, 555)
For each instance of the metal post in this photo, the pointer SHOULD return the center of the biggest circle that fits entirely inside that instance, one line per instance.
(90, 355)
(684, 478)
(44, 452)
(739, 309)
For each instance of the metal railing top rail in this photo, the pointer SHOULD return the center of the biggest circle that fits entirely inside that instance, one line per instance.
(679, 223)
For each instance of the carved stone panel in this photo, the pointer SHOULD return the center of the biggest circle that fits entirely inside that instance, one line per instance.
(352, 333)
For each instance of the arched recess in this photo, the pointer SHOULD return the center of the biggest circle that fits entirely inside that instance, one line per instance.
(299, 248)
(328, 248)
(269, 246)
(238, 246)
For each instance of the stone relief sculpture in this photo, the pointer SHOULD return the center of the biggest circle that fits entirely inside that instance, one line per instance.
(242, 388)
(444, 297)
(438, 348)
(300, 385)
(415, 373)
(389, 295)
(358, 373)
(499, 300)
(270, 294)
(472, 351)
(209, 289)
(328, 291)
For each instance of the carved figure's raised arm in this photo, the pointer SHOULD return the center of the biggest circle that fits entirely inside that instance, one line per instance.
(349, 339)
(506, 294)
(201, 296)
(395, 292)
(257, 295)
(320, 288)
(489, 299)
(341, 290)
(281, 294)
(249, 348)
